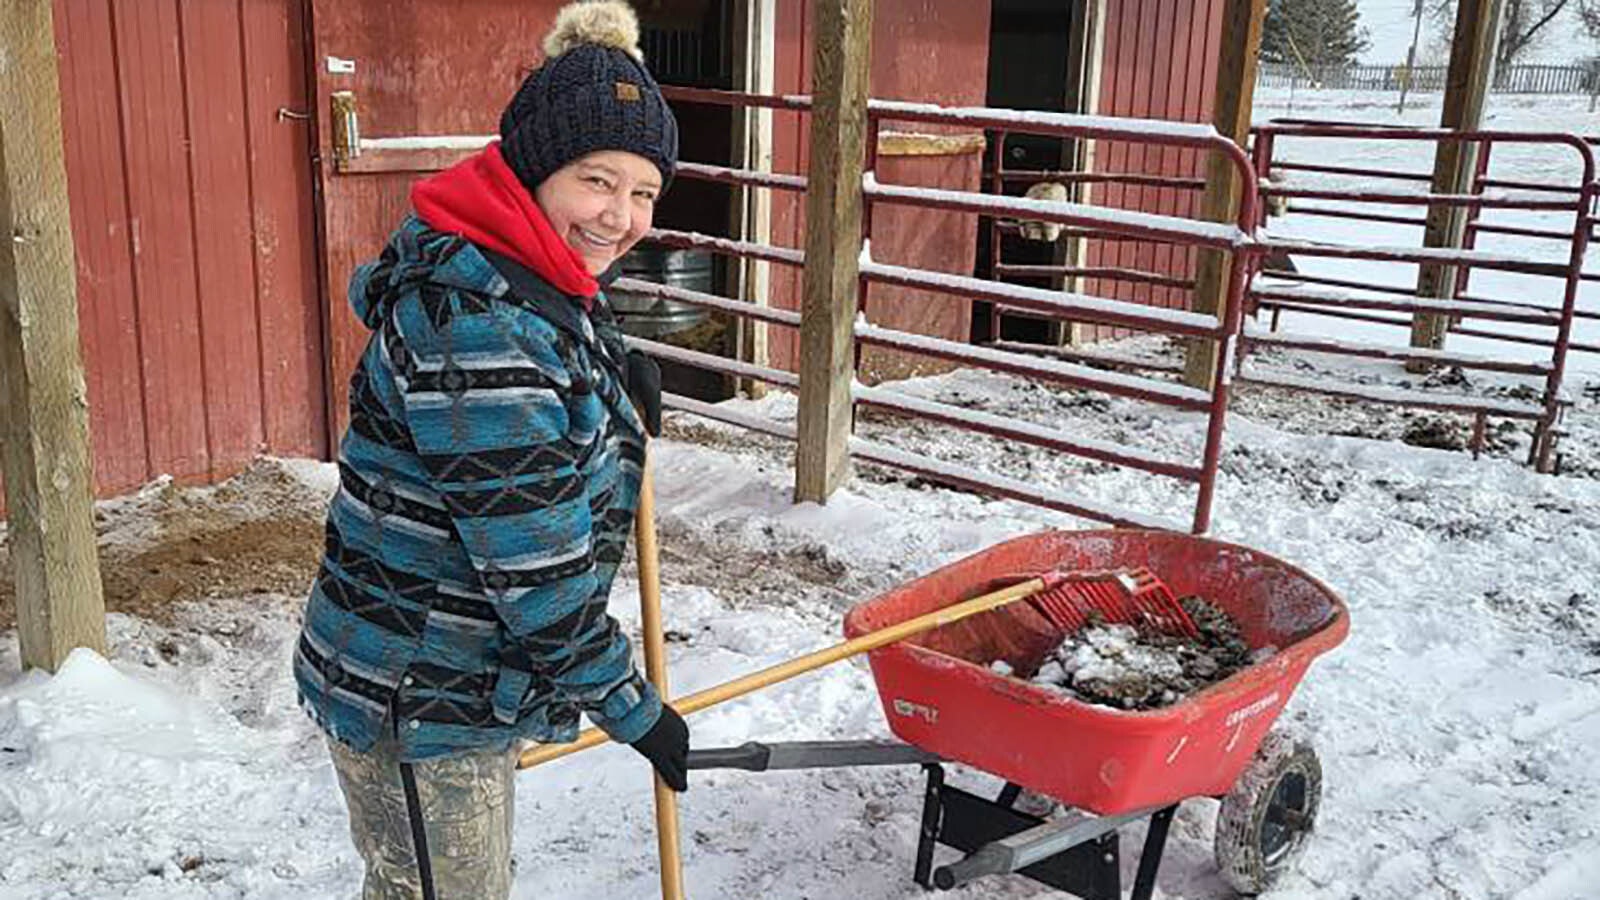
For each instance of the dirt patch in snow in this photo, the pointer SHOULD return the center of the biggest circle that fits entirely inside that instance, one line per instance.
(257, 533)
(745, 577)
(1578, 451)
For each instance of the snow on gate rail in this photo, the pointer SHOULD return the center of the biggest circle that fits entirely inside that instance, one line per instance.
(1232, 239)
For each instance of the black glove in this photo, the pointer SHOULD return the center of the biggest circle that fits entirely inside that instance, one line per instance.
(666, 745)
(644, 386)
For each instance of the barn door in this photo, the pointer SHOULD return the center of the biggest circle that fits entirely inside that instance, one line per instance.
(189, 176)
(412, 69)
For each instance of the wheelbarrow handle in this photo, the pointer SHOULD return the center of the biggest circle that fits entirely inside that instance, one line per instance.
(990, 859)
(758, 757)
(693, 703)
(751, 757)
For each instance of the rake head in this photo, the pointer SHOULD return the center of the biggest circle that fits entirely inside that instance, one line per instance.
(1071, 600)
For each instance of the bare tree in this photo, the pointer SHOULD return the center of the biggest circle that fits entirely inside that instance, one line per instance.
(1522, 25)
(1589, 17)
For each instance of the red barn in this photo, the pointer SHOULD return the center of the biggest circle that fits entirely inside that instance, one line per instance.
(215, 233)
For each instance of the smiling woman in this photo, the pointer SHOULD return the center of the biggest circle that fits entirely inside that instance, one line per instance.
(490, 475)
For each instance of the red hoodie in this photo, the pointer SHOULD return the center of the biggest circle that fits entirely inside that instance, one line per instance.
(481, 199)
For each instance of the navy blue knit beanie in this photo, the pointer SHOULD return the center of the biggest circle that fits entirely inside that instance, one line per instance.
(592, 92)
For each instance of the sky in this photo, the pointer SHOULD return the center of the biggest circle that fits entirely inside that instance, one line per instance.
(1390, 23)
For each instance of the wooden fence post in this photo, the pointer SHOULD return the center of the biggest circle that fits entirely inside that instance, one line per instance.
(842, 45)
(44, 419)
(1236, 81)
(755, 30)
(1467, 83)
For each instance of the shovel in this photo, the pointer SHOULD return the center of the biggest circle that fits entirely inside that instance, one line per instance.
(655, 667)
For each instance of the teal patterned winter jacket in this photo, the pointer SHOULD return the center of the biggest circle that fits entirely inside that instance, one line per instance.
(488, 482)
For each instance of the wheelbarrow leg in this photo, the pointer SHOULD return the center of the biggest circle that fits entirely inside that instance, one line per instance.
(1155, 843)
(932, 817)
(1009, 794)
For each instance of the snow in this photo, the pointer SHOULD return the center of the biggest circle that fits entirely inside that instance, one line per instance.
(430, 142)
(1109, 653)
(1456, 725)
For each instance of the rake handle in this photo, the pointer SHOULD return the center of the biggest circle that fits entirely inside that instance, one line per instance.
(693, 703)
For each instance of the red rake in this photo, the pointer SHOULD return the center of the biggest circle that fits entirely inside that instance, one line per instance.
(1071, 600)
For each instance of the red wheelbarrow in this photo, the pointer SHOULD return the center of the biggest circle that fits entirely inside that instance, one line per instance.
(1109, 767)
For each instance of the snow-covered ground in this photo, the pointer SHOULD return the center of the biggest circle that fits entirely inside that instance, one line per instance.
(1455, 725)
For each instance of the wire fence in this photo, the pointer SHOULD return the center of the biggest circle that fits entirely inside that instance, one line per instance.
(1519, 79)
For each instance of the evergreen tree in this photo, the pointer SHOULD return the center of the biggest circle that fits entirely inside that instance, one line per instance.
(1313, 33)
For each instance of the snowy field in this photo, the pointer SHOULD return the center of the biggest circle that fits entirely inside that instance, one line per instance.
(1537, 163)
(1455, 726)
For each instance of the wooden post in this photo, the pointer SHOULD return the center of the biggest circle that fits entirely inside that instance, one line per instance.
(755, 43)
(841, 50)
(43, 400)
(1466, 87)
(1235, 98)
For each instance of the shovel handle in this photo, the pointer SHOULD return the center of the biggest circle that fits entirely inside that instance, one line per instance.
(693, 703)
(668, 844)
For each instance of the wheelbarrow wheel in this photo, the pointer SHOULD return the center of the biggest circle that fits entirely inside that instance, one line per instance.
(1265, 820)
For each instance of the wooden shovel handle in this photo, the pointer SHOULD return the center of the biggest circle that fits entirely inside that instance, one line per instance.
(693, 703)
(655, 667)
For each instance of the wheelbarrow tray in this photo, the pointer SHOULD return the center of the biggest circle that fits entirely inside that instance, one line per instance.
(939, 693)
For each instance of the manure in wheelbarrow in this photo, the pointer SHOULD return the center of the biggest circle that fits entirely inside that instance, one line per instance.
(1127, 667)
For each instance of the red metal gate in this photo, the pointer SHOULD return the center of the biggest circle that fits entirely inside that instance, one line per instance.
(1233, 239)
(1363, 295)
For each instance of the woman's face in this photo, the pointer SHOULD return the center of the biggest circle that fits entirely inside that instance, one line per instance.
(601, 204)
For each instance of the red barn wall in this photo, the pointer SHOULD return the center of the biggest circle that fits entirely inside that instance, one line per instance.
(192, 216)
(1159, 62)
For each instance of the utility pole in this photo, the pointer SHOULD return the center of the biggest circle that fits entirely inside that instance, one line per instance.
(1472, 55)
(1411, 58)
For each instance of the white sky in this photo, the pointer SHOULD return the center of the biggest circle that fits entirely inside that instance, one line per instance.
(1390, 23)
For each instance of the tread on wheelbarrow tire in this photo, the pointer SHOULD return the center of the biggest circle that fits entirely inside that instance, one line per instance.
(1266, 818)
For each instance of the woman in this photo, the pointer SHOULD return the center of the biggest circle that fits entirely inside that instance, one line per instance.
(489, 477)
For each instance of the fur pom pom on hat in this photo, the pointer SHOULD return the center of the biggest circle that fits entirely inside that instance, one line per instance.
(609, 23)
(592, 93)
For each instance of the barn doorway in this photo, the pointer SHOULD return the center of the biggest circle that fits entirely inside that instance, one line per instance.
(1039, 58)
(691, 43)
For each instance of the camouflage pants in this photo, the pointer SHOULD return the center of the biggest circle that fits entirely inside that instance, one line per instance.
(460, 804)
